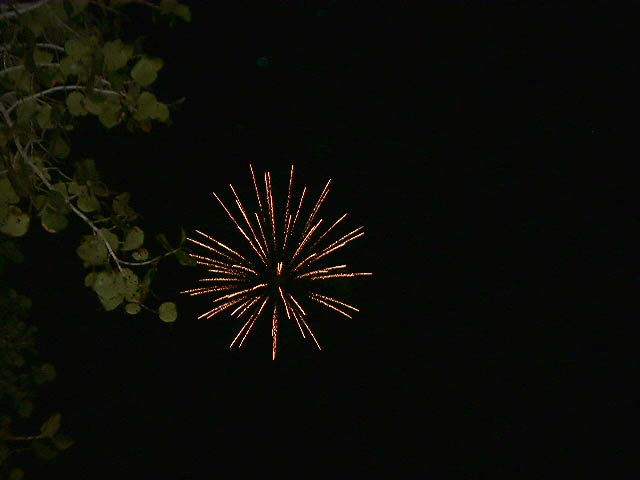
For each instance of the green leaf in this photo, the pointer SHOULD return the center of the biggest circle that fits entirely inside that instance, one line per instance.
(7, 193)
(134, 239)
(140, 255)
(58, 146)
(99, 189)
(108, 284)
(167, 312)
(110, 303)
(51, 426)
(145, 71)
(57, 196)
(121, 206)
(147, 106)
(74, 68)
(16, 223)
(53, 222)
(77, 48)
(88, 203)
(183, 12)
(93, 251)
(75, 189)
(112, 238)
(161, 113)
(131, 284)
(74, 104)
(62, 442)
(132, 308)
(42, 56)
(172, 7)
(111, 289)
(110, 114)
(116, 54)
(93, 104)
(185, 259)
(90, 279)
(44, 117)
(26, 111)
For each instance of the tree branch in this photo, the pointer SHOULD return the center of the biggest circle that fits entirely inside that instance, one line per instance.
(50, 46)
(24, 439)
(22, 9)
(20, 67)
(153, 260)
(44, 180)
(58, 89)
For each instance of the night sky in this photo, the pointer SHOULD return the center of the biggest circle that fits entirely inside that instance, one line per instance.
(452, 136)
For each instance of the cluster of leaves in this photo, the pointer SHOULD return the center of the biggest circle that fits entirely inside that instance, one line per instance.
(20, 373)
(64, 61)
(61, 62)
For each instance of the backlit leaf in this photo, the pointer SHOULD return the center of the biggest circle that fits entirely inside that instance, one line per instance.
(88, 203)
(59, 147)
(140, 255)
(116, 54)
(90, 279)
(51, 426)
(44, 117)
(74, 104)
(26, 111)
(77, 48)
(93, 250)
(167, 312)
(132, 308)
(145, 71)
(134, 239)
(53, 222)
(16, 223)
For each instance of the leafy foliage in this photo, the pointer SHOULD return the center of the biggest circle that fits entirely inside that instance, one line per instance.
(61, 63)
(21, 372)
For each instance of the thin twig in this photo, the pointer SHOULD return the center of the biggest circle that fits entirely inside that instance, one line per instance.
(44, 180)
(153, 260)
(24, 439)
(57, 89)
(50, 46)
(20, 67)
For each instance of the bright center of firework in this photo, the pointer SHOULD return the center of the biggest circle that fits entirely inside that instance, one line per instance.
(257, 282)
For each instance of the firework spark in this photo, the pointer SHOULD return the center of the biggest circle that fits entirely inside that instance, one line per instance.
(282, 265)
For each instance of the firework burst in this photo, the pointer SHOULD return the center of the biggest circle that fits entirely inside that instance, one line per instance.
(283, 265)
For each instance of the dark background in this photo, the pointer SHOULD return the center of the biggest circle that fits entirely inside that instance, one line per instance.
(462, 137)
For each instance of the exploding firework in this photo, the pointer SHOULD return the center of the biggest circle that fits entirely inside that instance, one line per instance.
(282, 267)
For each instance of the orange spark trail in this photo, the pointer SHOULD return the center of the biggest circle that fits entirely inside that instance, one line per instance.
(285, 255)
